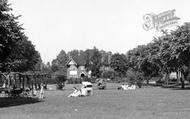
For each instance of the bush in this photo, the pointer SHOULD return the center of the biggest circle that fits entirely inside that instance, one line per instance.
(60, 81)
(135, 78)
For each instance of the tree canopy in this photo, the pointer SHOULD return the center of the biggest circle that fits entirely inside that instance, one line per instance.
(16, 51)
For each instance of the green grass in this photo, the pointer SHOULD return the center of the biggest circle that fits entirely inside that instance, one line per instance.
(145, 103)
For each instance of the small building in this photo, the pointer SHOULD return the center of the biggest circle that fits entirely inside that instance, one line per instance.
(74, 70)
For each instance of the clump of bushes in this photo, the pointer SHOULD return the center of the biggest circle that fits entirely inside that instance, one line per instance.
(60, 81)
(135, 78)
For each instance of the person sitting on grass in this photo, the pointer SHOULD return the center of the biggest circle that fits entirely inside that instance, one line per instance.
(34, 92)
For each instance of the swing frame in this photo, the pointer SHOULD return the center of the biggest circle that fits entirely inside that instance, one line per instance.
(17, 83)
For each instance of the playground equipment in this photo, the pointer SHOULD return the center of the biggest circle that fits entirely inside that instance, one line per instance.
(27, 84)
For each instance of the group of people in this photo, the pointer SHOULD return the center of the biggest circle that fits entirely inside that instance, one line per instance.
(12, 86)
(27, 92)
(127, 87)
(85, 90)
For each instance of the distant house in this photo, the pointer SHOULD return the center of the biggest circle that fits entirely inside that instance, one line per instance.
(74, 70)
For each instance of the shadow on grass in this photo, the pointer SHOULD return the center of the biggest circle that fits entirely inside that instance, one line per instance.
(178, 88)
(7, 102)
(170, 86)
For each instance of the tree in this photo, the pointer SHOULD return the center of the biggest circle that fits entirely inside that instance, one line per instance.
(96, 63)
(54, 66)
(62, 58)
(119, 64)
(144, 60)
(88, 56)
(81, 58)
(74, 54)
(24, 56)
(148, 69)
(59, 64)
(17, 53)
(106, 58)
(10, 31)
(175, 50)
(39, 64)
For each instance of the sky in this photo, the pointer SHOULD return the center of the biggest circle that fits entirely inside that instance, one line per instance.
(110, 25)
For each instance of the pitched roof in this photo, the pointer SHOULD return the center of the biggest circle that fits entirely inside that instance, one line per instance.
(71, 62)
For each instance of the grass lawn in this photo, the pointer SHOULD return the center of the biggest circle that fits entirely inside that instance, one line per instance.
(145, 103)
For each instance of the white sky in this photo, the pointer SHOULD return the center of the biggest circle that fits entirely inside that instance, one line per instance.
(111, 25)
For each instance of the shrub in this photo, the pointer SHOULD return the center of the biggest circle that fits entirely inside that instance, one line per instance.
(60, 81)
(135, 78)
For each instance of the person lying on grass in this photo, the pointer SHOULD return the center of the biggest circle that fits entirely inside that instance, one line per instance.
(76, 92)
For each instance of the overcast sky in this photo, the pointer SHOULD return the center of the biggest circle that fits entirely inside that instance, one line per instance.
(111, 25)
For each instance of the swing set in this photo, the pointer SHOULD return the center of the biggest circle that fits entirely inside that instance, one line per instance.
(27, 84)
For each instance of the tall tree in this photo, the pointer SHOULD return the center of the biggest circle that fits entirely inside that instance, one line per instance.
(106, 58)
(119, 64)
(13, 39)
(88, 56)
(24, 56)
(81, 58)
(59, 64)
(175, 50)
(96, 63)
(140, 60)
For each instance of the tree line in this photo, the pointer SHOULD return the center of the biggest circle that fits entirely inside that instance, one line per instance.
(168, 53)
(165, 54)
(93, 59)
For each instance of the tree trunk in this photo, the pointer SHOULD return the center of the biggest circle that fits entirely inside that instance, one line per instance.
(178, 77)
(147, 80)
(182, 81)
(166, 79)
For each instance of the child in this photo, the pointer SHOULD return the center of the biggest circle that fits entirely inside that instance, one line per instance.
(41, 91)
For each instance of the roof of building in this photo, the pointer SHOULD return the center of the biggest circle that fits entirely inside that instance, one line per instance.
(71, 62)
